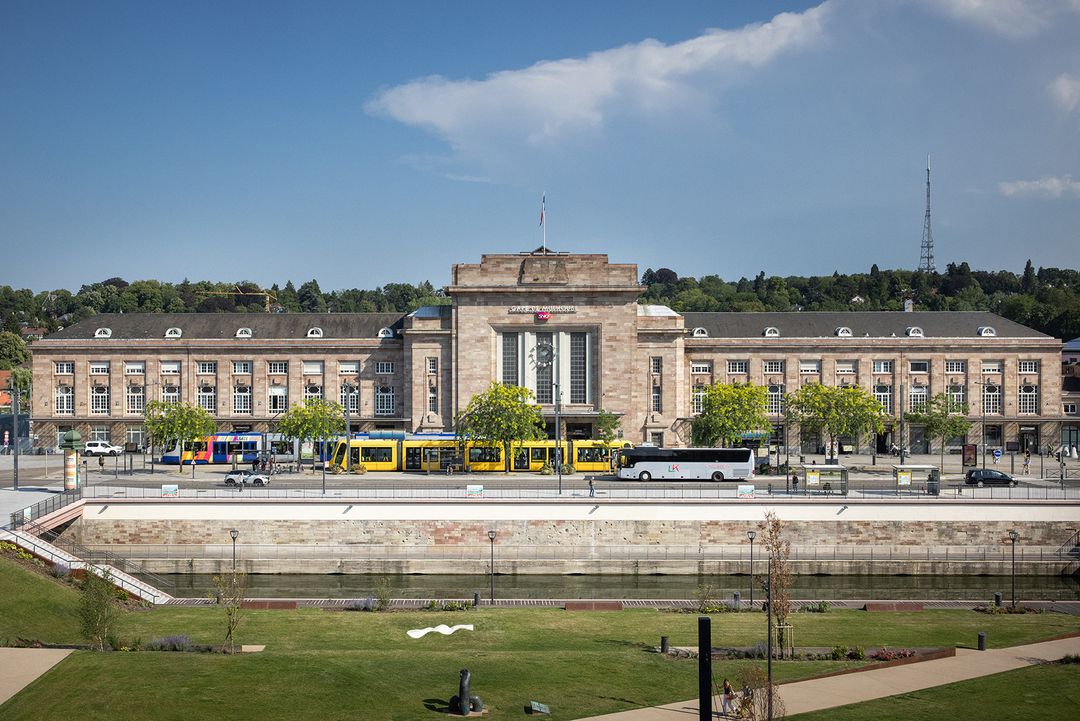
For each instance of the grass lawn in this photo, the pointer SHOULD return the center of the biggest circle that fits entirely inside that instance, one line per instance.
(1048, 693)
(336, 665)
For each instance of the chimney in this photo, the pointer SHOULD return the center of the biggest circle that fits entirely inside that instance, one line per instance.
(909, 305)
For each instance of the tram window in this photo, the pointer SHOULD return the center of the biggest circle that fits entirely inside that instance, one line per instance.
(591, 455)
(539, 454)
(377, 455)
(484, 454)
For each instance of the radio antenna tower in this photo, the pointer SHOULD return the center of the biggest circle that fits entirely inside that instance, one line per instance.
(926, 254)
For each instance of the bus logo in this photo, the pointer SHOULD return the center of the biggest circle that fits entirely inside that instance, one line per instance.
(673, 468)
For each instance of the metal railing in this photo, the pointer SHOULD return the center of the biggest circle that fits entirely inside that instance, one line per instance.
(53, 503)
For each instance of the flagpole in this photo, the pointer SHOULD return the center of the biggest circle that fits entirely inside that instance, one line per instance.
(543, 218)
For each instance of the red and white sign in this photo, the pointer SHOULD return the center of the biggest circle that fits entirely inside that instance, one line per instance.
(542, 315)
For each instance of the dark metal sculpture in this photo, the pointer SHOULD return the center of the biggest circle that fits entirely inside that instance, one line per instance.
(463, 703)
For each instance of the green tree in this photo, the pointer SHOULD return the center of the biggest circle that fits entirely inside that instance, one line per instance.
(835, 410)
(729, 410)
(502, 415)
(182, 423)
(98, 610)
(317, 419)
(943, 419)
(13, 351)
(21, 380)
(607, 426)
(778, 548)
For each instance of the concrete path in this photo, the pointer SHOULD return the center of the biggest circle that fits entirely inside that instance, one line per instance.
(816, 694)
(23, 665)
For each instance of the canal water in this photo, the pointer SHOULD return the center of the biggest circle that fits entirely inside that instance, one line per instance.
(969, 588)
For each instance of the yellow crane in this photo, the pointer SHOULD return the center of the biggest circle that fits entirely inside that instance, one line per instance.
(266, 295)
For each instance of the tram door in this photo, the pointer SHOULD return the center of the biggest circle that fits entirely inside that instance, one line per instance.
(412, 458)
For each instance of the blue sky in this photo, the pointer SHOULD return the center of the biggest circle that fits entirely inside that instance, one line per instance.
(365, 143)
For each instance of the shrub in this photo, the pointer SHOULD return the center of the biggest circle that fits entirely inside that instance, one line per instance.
(1069, 658)
(384, 593)
(170, 643)
(359, 469)
(887, 654)
(839, 653)
(819, 607)
(448, 605)
(856, 653)
(547, 470)
(568, 470)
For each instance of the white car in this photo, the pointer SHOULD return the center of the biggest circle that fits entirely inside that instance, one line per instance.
(101, 448)
(246, 478)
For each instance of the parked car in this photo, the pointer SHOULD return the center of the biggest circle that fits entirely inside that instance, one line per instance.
(986, 477)
(246, 478)
(101, 448)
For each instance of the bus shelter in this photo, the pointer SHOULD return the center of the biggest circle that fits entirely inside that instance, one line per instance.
(825, 479)
(908, 475)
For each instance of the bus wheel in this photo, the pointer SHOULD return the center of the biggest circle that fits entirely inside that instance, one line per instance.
(717, 476)
(645, 476)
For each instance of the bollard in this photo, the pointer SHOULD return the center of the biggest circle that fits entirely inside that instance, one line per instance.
(737, 603)
(665, 646)
(997, 599)
(982, 640)
(476, 599)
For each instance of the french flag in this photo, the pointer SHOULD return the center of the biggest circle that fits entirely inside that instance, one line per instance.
(543, 202)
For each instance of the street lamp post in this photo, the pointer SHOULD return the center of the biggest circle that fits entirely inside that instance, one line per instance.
(1013, 535)
(348, 424)
(234, 534)
(491, 537)
(987, 387)
(751, 534)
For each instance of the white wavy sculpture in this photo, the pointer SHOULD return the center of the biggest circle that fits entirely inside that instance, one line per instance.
(441, 628)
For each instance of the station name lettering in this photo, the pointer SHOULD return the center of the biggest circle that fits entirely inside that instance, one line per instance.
(529, 309)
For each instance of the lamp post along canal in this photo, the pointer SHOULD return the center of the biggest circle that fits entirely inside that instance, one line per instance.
(751, 534)
(491, 537)
(1013, 535)
(234, 534)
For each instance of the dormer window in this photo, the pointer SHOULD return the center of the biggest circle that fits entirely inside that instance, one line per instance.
(315, 332)
(103, 333)
(914, 332)
(385, 333)
(843, 332)
(243, 332)
(700, 333)
(771, 332)
(173, 333)
(986, 331)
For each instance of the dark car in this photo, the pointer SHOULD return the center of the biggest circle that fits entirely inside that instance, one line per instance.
(986, 477)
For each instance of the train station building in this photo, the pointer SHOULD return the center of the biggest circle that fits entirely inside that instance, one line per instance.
(570, 328)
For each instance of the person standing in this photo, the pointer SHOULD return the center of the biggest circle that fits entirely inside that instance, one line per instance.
(592, 489)
(1027, 461)
(794, 482)
(728, 700)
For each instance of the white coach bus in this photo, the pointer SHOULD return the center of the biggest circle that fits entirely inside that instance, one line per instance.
(702, 464)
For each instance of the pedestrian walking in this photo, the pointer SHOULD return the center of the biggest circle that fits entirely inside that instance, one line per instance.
(794, 482)
(592, 489)
(728, 698)
(1027, 461)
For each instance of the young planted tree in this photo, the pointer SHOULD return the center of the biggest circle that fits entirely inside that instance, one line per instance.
(230, 591)
(98, 609)
(835, 411)
(181, 423)
(606, 426)
(729, 411)
(943, 419)
(318, 419)
(778, 549)
(502, 416)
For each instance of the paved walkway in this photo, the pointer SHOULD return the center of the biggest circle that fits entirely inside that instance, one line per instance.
(23, 665)
(816, 694)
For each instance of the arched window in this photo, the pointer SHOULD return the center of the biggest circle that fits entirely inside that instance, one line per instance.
(843, 332)
(173, 333)
(386, 333)
(243, 332)
(771, 332)
(914, 332)
(103, 333)
(700, 333)
(986, 331)
(315, 332)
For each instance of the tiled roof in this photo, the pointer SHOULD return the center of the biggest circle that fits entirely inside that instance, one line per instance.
(875, 324)
(278, 326)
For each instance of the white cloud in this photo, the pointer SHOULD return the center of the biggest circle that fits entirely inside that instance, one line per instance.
(1046, 187)
(1065, 90)
(551, 98)
(1015, 18)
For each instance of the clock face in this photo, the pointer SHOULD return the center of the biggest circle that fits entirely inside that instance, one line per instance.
(544, 354)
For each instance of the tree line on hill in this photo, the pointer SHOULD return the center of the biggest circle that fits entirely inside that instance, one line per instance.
(1046, 299)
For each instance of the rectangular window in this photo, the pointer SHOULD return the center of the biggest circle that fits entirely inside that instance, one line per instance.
(134, 368)
(99, 400)
(657, 399)
(100, 433)
(1027, 399)
(955, 366)
(170, 368)
(65, 401)
(170, 394)
(845, 367)
(919, 366)
(991, 399)
(136, 436)
(697, 397)
(277, 399)
(350, 398)
(65, 368)
(241, 399)
(241, 368)
(883, 366)
(432, 399)
(737, 366)
(1069, 409)
(384, 368)
(510, 359)
(208, 399)
(313, 368)
(991, 366)
(917, 399)
(809, 366)
(883, 395)
(701, 367)
(385, 403)
(1028, 366)
(99, 368)
(656, 364)
(207, 367)
(957, 398)
(433, 366)
(545, 393)
(775, 401)
(578, 368)
(277, 367)
(312, 393)
(135, 399)
(657, 439)
(774, 366)
(349, 368)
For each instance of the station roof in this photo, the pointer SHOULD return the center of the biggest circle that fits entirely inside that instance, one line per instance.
(277, 326)
(873, 324)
